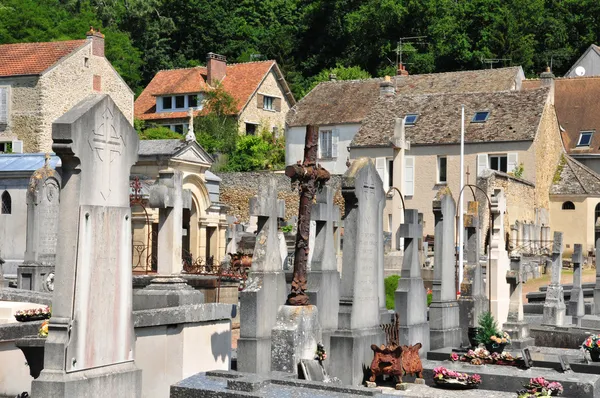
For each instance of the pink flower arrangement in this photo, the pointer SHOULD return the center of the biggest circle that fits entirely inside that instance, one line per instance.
(33, 314)
(443, 375)
(454, 356)
(540, 387)
(592, 343)
(482, 356)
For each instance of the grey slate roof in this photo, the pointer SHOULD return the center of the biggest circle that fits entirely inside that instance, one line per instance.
(514, 116)
(349, 101)
(161, 147)
(26, 162)
(575, 179)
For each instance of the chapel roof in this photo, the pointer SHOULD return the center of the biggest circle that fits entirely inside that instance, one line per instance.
(26, 162)
(513, 116)
(349, 101)
(575, 178)
(161, 147)
(34, 58)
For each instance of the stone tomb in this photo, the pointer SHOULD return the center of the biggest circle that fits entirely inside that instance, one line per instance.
(89, 350)
(516, 327)
(554, 306)
(358, 321)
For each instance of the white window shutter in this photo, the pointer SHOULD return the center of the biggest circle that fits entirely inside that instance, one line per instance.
(409, 176)
(17, 146)
(380, 166)
(482, 163)
(335, 135)
(513, 160)
(3, 105)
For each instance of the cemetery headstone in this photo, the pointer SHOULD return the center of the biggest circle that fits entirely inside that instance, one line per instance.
(265, 287)
(444, 320)
(576, 303)
(37, 271)
(597, 286)
(500, 290)
(89, 348)
(526, 238)
(515, 325)
(554, 306)
(358, 321)
(411, 296)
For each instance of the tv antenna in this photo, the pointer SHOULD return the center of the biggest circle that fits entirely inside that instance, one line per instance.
(493, 61)
(401, 47)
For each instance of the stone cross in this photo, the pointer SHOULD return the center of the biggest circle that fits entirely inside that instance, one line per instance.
(444, 321)
(515, 325)
(554, 306)
(597, 286)
(576, 303)
(168, 195)
(526, 238)
(91, 333)
(500, 262)
(190, 136)
(37, 270)
(514, 237)
(410, 296)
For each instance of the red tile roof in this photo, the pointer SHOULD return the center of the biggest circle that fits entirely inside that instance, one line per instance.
(241, 81)
(34, 58)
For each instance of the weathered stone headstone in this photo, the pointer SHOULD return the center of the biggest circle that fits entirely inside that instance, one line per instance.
(597, 286)
(444, 322)
(358, 322)
(265, 288)
(554, 306)
(169, 197)
(411, 296)
(526, 238)
(515, 325)
(473, 301)
(576, 304)
(324, 278)
(514, 236)
(500, 290)
(37, 271)
(89, 349)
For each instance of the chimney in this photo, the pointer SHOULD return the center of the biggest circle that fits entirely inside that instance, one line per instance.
(332, 77)
(216, 68)
(547, 80)
(401, 71)
(386, 88)
(97, 40)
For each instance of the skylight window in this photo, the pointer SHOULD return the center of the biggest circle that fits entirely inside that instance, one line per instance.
(410, 119)
(585, 138)
(481, 117)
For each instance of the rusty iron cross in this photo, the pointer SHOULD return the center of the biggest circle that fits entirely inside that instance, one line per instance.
(309, 175)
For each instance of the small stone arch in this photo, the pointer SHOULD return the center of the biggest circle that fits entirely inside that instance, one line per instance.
(568, 205)
(6, 207)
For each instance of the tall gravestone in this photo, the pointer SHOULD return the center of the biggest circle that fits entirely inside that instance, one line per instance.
(324, 278)
(576, 304)
(515, 325)
(358, 321)
(500, 263)
(444, 322)
(597, 286)
(411, 296)
(473, 301)
(37, 270)
(554, 306)
(265, 288)
(89, 349)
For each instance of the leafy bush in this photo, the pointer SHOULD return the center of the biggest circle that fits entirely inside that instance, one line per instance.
(257, 153)
(159, 133)
(391, 284)
(429, 298)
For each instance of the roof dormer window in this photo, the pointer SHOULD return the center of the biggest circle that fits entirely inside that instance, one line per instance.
(167, 102)
(410, 119)
(585, 138)
(480, 117)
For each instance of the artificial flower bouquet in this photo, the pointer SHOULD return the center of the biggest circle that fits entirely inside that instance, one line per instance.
(540, 387)
(592, 345)
(34, 314)
(481, 356)
(449, 378)
(43, 332)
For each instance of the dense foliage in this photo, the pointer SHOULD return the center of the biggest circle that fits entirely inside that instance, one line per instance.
(307, 37)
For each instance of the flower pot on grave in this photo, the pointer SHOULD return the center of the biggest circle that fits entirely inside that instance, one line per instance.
(472, 334)
(595, 355)
(33, 350)
(495, 347)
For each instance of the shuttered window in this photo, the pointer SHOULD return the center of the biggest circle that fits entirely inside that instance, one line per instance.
(482, 163)
(328, 143)
(4, 91)
(409, 176)
(380, 166)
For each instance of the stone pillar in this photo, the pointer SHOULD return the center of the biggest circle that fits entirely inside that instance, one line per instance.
(324, 278)
(444, 322)
(265, 288)
(526, 238)
(554, 306)
(358, 321)
(473, 301)
(545, 239)
(576, 303)
(37, 271)
(514, 237)
(411, 296)
(89, 348)
(515, 325)
(500, 291)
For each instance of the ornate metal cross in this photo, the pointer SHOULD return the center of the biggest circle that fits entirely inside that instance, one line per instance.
(107, 142)
(309, 176)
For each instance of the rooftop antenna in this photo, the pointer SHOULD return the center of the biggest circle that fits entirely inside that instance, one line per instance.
(400, 47)
(255, 56)
(493, 61)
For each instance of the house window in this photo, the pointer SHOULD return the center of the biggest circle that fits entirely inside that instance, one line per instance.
(410, 119)
(568, 206)
(325, 144)
(167, 102)
(250, 129)
(585, 138)
(390, 172)
(268, 103)
(499, 162)
(5, 147)
(442, 169)
(480, 117)
(180, 101)
(6, 203)
(192, 101)
(178, 128)
(4, 102)
(86, 62)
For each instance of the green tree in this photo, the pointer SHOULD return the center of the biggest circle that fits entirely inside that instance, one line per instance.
(217, 129)
(341, 73)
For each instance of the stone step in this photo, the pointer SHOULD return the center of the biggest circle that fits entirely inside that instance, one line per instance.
(588, 285)
(541, 296)
(538, 307)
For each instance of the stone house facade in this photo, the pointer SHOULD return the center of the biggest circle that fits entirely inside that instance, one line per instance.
(262, 96)
(41, 81)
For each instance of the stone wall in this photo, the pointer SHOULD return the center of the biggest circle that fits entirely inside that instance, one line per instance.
(238, 188)
(25, 114)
